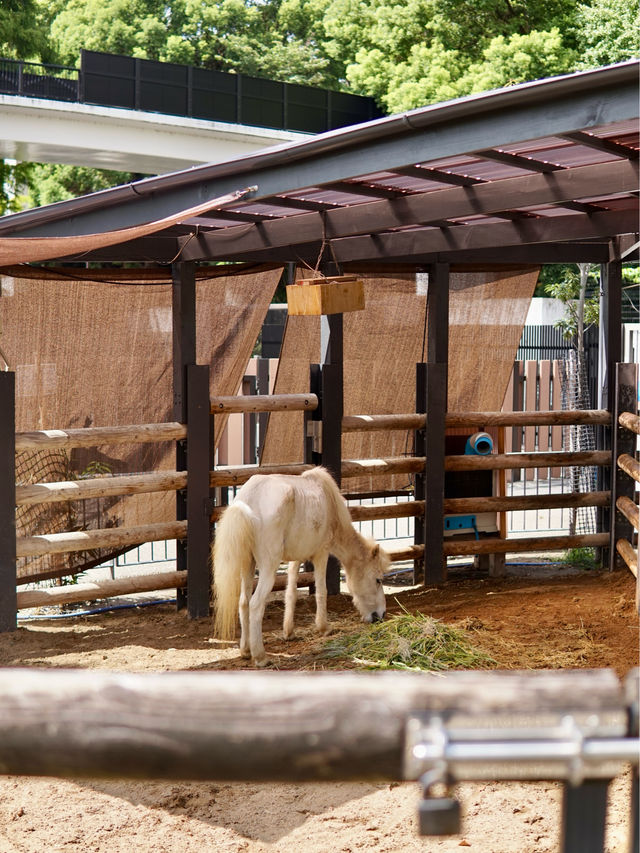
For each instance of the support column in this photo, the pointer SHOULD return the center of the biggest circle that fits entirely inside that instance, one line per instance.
(609, 354)
(184, 353)
(584, 813)
(8, 603)
(419, 450)
(332, 389)
(436, 406)
(199, 505)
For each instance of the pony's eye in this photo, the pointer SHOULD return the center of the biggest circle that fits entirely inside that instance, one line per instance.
(379, 581)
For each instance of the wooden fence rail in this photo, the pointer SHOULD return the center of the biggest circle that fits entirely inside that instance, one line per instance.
(369, 423)
(624, 521)
(276, 727)
(58, 439)
(264, 403)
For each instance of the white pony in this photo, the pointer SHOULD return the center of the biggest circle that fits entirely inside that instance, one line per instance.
(276, 518)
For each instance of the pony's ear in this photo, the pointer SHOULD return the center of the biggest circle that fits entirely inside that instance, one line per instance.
(375, 550)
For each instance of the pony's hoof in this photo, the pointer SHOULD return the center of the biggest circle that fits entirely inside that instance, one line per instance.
(260, 663)
(245, 653)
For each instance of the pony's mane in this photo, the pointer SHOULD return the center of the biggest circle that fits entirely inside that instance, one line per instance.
(332, 492)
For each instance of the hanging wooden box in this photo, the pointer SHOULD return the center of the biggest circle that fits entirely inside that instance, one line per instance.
(326, 295)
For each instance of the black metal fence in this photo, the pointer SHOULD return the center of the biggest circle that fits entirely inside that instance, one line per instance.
(110, 80)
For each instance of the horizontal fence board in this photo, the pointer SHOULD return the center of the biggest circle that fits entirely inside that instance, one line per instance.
(51, 439)
(531, 418)
(461, 547)
(630, 422)
(377, 512)
(261, 726)
(264, 403)
(88, 540)
(367, 423)
(629, 510)
(100, 487)
(628, 554)
(526, 460)
(526, 502)
(630, 466)
(391, 465)
(237, 476)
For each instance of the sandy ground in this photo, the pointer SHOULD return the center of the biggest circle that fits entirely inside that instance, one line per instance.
(586, 619)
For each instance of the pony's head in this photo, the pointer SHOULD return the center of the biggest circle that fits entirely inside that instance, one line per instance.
(365, 583)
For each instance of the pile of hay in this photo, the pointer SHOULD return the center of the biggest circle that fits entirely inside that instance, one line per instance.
(409, 642)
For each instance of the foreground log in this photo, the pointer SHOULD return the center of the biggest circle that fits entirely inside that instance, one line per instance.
(267, 726)
(543, 418)
(630, 466)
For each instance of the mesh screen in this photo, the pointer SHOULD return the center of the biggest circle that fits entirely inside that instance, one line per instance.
(98, 352)
(382, 344)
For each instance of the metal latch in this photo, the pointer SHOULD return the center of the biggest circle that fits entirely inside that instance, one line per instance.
(439, 754)
(314, 432)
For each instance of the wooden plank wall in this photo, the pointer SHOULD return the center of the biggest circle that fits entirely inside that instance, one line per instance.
(534, 386)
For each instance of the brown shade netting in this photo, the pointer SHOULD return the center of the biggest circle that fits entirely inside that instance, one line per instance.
(382, 345)
(96, 350)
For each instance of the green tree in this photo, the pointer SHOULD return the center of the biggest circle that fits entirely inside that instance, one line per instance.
(24, 30)
(56, 182)
(607, 32)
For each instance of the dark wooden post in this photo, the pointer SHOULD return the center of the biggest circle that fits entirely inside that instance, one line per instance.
(8, 603)
(436, 406)
(419, 450)
(624, 441)
(610, 353)
(199, 506)
(332, 384)
(184, 353)
(584, 816)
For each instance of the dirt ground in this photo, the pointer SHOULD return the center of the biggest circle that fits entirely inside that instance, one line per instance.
(583, 619)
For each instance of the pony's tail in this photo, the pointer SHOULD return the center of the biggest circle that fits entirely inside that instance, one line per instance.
(232, 560)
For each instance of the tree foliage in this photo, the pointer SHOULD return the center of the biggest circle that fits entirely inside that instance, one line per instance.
(405, 53)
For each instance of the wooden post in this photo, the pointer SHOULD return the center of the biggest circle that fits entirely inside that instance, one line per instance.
(332, 358)
(624, 441)
(184, 353)
(420, 450)
(8, 606)
(199, 446)
(436, 406)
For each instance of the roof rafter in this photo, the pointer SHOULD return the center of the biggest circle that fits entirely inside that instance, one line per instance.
(600, 144)
(421, 208)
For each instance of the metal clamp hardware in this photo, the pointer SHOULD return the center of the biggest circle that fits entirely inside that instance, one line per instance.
(563, 748)
(314, 432)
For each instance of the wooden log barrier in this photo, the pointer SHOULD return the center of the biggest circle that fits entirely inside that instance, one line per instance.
(101, 487)
(497, 461)
(238, 476)
(50, 439)
(629, 510)
(471, 420)
(628, 554)
(542, 418)
(264, 403)
(630, 466)
(97, 590)
(111, 588)
(87, 540)
(509, 503)
(630, 421)
(390, 465)
(455, 546)
(266, 726)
